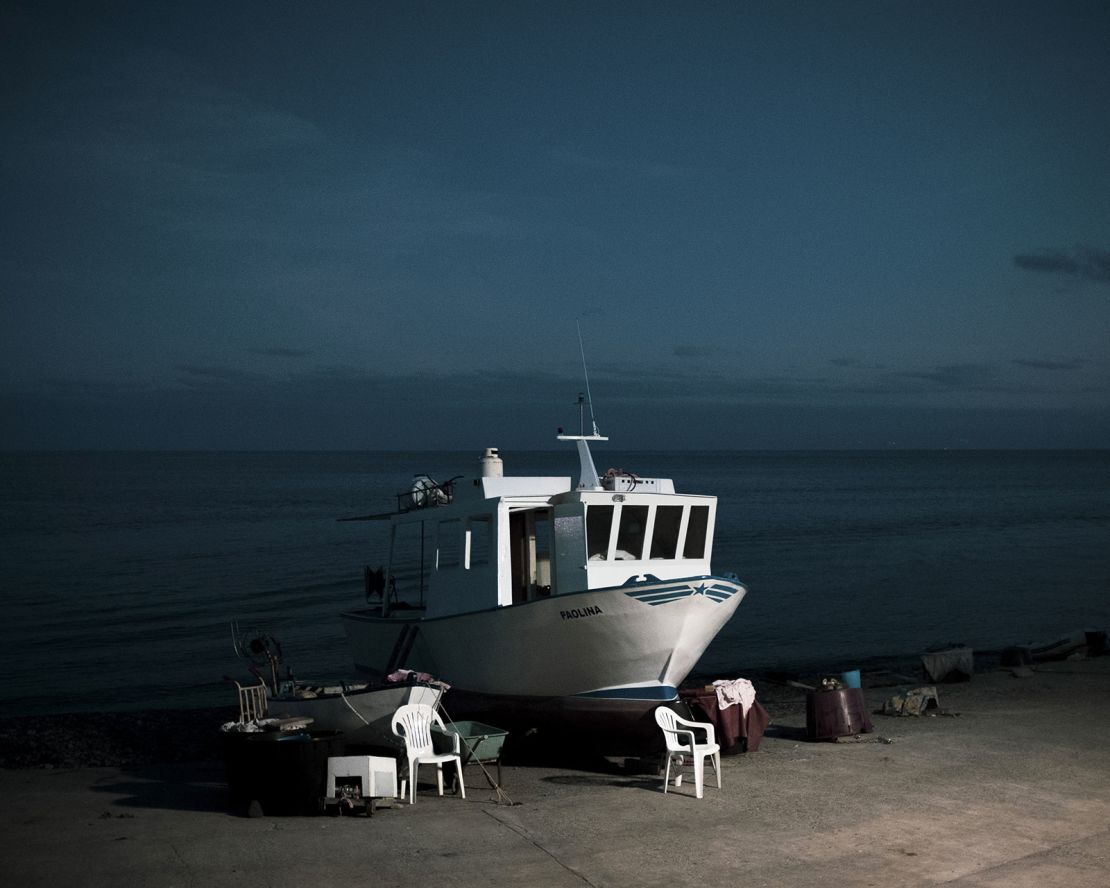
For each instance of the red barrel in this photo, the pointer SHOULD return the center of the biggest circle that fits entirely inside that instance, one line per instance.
(839, 713)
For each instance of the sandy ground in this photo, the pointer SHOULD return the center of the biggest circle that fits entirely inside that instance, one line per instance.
(1010, 787)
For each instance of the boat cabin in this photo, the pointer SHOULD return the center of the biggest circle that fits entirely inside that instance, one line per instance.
(499, 541)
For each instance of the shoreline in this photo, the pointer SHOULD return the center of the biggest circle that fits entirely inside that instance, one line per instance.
(135, 738)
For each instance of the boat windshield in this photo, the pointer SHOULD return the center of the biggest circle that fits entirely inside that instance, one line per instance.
(634, 532)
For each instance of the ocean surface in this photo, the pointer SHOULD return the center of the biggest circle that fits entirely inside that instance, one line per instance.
(121, 573)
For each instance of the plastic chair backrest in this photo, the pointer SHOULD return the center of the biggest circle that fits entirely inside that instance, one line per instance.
(416, 719)
(253, 703)
(668, 720)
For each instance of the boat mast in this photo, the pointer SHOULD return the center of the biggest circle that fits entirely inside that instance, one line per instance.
(586, 376)
(587, 478)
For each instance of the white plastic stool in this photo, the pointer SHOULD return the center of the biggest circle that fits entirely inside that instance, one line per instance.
(376, 773)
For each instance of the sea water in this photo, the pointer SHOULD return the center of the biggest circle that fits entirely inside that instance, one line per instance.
(121, 573)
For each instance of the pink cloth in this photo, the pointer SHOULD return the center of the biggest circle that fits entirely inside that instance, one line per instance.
(408, 675)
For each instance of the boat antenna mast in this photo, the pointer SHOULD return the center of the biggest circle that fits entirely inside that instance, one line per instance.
(586, 376)
(588, 477)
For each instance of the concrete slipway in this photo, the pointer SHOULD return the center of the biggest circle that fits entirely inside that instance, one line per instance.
(1011, 789)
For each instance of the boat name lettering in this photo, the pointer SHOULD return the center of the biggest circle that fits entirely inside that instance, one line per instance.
(577, 612)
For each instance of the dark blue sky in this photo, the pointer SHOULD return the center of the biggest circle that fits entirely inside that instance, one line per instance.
(374, 225)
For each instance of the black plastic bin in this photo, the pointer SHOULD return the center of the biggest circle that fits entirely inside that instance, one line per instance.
(285, 772)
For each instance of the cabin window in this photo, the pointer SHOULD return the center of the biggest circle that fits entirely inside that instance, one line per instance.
(695, 532)
(630, 534)
(478, 538)
(599, 521)
(449, 543)
(664, 539)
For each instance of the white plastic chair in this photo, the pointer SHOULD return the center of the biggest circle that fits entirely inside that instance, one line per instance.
(253, 702)
(682, 741)
(413, 724)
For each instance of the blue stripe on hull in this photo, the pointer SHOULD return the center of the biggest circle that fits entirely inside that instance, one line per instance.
(652, 692)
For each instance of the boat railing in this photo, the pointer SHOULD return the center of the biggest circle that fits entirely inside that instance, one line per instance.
(426, 493)
(405, 588)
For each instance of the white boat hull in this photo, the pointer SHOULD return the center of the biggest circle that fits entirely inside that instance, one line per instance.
(635, 642)
(368, 710)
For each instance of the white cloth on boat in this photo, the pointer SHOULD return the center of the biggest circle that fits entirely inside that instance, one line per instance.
(251, 727)
(735, 692)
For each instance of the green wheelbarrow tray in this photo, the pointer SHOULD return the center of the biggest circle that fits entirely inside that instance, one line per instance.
(478, 742)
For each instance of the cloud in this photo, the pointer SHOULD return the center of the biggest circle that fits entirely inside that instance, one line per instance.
(615, 385)
(147, 136)
(344, 406)
(645, 169)
(1072, 364)
(280, 352)
(1086, 263)
(196, 374)
(92, 387)
(855, 364)
(862, 383)
(693, 351)
(354, 409)
(573, 158)
(959, 377)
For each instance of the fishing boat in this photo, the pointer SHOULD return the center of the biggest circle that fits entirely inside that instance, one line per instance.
(363, 707)
(362, 710)
(550, 603)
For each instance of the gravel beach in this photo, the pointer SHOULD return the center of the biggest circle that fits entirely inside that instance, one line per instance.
(112, 739)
